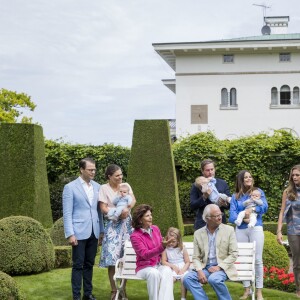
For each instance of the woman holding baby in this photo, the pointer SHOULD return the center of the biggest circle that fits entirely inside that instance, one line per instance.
(245, 233)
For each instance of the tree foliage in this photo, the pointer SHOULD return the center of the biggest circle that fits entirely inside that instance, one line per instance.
(11, 106)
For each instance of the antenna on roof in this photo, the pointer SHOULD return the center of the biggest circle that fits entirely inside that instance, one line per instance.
(264, 9)
(266, 30)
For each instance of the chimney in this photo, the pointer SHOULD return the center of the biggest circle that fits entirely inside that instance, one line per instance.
(278, 25)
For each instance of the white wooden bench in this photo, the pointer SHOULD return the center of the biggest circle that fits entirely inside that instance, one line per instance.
(125, 266)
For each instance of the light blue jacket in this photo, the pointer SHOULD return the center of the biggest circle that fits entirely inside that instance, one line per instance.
(80, 217)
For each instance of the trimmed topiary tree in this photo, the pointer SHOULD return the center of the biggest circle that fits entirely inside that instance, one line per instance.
(151, 172)
(23, 177)
(274, 255)
(57, 233)
(8, 288)
(26, 247)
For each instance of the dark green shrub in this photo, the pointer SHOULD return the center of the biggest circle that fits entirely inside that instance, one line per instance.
(184, 197)
(57, 233)
(274, 255)
(151, 172)
(189, 229)
(63, 256)
(23, 177)
(56, 190)
(25, 246)
(8, 288)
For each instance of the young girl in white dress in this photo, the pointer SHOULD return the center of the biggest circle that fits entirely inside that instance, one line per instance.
(177, 258)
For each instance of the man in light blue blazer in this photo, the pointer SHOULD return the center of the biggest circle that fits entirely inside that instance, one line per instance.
(83, 226)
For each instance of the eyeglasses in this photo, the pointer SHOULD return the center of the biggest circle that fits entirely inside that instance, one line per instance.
(92, 170)
(217, 216)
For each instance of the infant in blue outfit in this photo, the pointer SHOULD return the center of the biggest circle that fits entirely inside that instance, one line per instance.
(121, 201)
(207, 185)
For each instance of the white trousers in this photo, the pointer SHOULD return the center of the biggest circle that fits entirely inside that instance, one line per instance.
(248, 236)
(159, 282)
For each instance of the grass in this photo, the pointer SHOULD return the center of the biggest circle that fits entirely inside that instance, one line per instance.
(56, 284)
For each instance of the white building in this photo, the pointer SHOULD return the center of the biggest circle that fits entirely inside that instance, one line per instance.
(239, 86)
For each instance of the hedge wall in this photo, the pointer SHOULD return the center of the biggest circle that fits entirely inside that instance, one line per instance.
(23, 177)
(62, 165)
(151, 172)
(269, 157)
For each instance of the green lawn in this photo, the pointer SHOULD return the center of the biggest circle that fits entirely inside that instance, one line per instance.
(56, 285)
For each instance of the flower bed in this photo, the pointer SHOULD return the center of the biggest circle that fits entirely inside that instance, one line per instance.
(276, 278)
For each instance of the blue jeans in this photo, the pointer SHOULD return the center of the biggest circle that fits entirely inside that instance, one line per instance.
(216, 280)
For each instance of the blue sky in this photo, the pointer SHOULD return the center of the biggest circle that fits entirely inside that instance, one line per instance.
(90, 66)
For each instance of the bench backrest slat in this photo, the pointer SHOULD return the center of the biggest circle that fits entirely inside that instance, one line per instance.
(244, 264)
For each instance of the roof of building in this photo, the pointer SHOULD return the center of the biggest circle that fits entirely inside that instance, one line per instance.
(252, 44)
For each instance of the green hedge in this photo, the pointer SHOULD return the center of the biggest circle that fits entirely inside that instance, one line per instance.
(268, 157)
(62, 165)
(23, 177)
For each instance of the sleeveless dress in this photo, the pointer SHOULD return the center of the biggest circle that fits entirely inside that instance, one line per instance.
(175, 257)
(115, 233)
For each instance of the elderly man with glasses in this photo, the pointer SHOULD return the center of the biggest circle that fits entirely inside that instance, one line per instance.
(215, 251)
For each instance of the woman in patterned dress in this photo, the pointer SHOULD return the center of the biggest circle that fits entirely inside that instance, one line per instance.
(290, 213)
(115, 232)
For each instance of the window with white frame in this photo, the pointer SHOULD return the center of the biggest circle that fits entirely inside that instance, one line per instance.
(284, 57)
(233, 97)
(296, 95)
(285, 95)
(228, 98)
(228, 58)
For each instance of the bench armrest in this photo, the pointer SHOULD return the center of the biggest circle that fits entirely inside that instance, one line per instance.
(118, 267)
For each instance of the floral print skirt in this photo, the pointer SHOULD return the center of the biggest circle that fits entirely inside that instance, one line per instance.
(115, 235)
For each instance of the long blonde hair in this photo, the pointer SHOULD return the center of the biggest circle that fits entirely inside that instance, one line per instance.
(174, 232)
(291, 190)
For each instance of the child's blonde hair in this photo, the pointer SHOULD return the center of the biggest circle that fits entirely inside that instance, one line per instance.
(174, 232)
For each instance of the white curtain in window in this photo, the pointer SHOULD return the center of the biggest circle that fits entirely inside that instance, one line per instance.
(274, 96)
(233, 97)
(296, 95)
(224, 97)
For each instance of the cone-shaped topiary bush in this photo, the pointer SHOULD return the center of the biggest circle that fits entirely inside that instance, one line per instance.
(8, 288)
(274, 255)
(151, 172)
(25, 246)
(23, 178)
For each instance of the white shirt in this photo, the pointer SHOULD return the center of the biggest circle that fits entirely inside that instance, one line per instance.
(89, 190)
